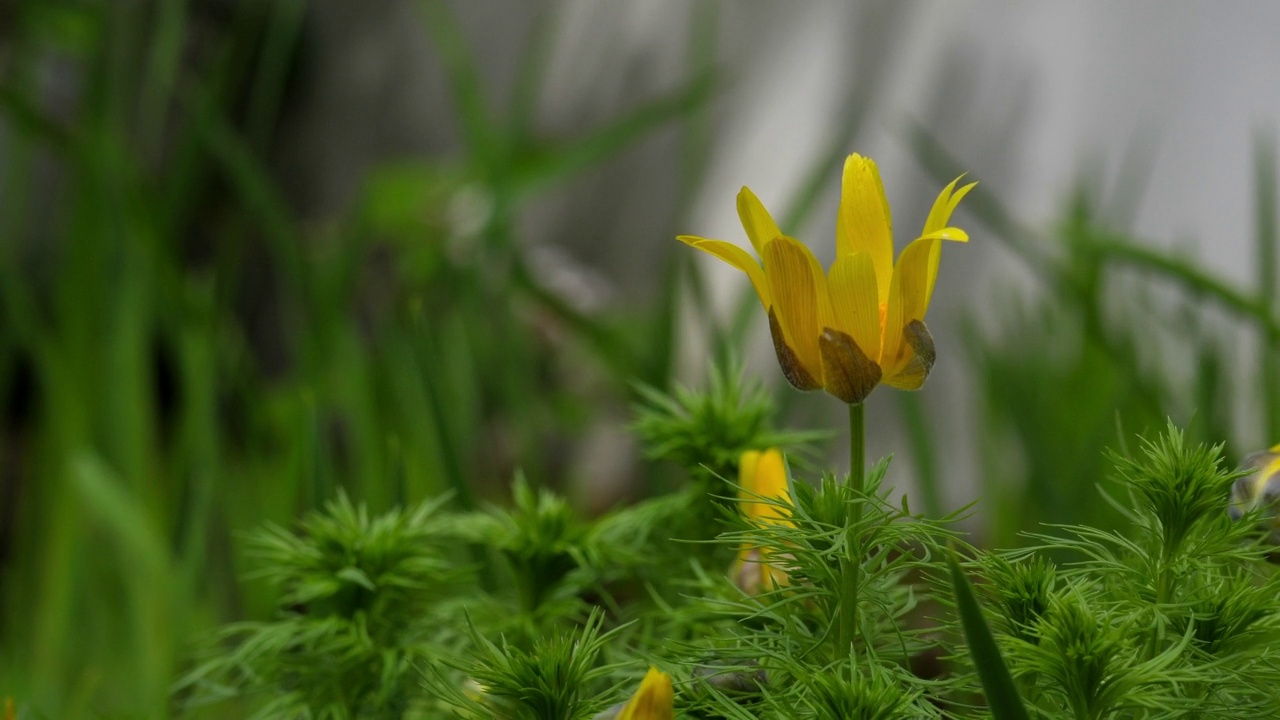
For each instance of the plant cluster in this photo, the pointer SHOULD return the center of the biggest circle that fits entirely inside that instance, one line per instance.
(533, 611)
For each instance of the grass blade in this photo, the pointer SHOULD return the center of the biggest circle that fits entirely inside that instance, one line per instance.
(546, 165)
(1265, 206)
(997, 683)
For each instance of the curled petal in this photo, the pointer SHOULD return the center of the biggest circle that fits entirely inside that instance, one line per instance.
(954, 234)
(736, 257)
(756, 220)
(946, 204)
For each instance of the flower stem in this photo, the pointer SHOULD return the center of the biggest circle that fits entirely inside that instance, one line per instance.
(851, 563)
(857, 445)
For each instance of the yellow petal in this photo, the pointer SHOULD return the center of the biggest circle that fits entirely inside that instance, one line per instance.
(748, 461)
(946, 204)
(908, 299)
(917, 271)
(792, 369)
(954, 234)
(798, 289)
(736, 257)
(864, 223)
(653, 701)
(913, 279)
(768, 481)
(855, 301)
(756, 220)
(1271, 468)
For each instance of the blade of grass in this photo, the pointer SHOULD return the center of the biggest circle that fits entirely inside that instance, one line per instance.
(1133, 178)
(1193, 279)
(163, 65)
(920, 435)
(259, 193)
(201, 451)
(28, 119)
(455, 474)
(464, 80)
(1265, 248)
(681, 272)
(533, 70)
(1002, 694)
(148, 583)
(282, 34)
(552, 163)
(985, 206)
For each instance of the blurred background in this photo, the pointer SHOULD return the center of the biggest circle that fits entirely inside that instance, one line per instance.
(256, 252)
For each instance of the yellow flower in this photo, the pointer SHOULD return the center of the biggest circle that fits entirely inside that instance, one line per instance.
(653, 701)
(861, 322)
(763, 479)
(1260, 490)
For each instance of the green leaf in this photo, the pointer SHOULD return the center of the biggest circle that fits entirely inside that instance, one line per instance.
(997, 683)
(356, 576)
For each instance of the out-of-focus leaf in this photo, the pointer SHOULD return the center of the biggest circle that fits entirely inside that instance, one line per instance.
(544, 165)
(997, 683)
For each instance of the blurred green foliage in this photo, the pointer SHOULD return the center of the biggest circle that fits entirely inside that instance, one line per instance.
(182, 356)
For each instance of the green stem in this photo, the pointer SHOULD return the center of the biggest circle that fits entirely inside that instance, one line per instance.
(851, 563)
(857, 445)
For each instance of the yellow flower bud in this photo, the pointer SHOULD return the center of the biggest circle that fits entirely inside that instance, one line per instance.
(764, 494)
(653, 701)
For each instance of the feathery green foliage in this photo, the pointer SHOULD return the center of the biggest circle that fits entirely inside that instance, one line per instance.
(1176, 613)
(559, 677)
(357, 600)
(708, 430)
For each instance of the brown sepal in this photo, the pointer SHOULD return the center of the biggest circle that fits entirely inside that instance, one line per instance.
(850, 374)
(918, 337)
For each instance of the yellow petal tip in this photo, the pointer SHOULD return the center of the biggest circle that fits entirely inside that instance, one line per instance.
(653, 701)
(954, 234)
